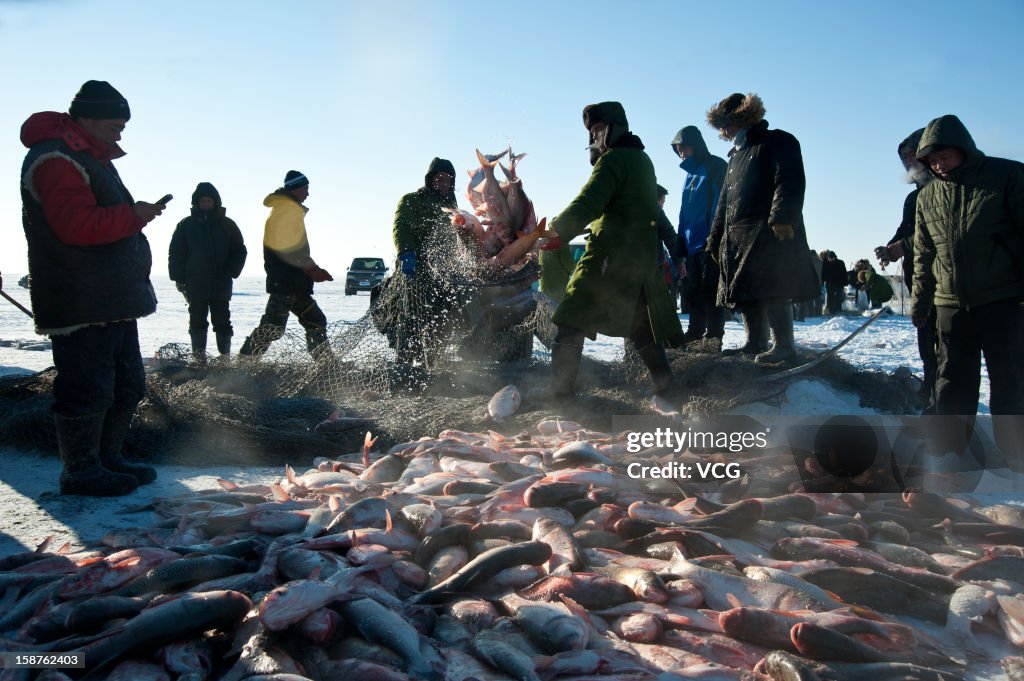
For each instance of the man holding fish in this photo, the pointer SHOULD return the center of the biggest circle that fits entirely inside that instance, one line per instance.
(615, 289)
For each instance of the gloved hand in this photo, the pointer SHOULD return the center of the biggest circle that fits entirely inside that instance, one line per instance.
(180, 285)
(408, 260)
(553, 244)
(318, 274)
(782, 232)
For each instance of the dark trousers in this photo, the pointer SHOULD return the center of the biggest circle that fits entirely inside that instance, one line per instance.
(219, 311)
(997, 331)
(275, 318)
(700, 288)
(834, 297)
(926, 341)
(98, 367)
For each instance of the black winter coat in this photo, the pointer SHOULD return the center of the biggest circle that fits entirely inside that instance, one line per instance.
(905, 235)
(206, 253)
(833, 274)
(764, 185)
(75, 286)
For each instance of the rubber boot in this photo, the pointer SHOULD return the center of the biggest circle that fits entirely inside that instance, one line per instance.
(254, 348)
(780, 318)
(198, 345)
(755, 323)
(78, 440)
(224, 343)
(115, 430)
(565, 365)
(656, 361)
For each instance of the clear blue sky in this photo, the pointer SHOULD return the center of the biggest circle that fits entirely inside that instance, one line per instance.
(361, 95)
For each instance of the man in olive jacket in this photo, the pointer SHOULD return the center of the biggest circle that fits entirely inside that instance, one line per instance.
(757, 235)
(616, 288)
(206, 253)
(968, 255)
(428, 262)
(291, 271)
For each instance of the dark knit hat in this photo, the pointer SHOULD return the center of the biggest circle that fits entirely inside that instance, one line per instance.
(205, 189)
(661, 191)
(99, 99)
(293, 179)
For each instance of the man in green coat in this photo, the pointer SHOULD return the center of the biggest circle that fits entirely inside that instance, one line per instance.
(616, 288)
(426, 245)
(968, 255)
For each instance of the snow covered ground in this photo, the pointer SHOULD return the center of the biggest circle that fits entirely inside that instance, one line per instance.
(889, 343)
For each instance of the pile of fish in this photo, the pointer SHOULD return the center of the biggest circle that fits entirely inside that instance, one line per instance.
(502, 229)
(532, 557)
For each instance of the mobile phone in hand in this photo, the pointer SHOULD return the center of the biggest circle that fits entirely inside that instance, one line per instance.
(164, 199)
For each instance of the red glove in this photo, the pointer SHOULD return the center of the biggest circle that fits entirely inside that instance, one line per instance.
(553, 244)
(318, 274)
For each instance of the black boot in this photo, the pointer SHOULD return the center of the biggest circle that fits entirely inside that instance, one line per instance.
(755, 323)
(198, 344)
(565, 365)
(224, 342)
(780, 318)
(656, 361)
(255, 344)
(78, 440)
(115, 430)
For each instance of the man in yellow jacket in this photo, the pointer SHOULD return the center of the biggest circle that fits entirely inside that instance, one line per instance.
(291, 271)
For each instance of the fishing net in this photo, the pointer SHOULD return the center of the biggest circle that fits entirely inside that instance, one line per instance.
(426, 357)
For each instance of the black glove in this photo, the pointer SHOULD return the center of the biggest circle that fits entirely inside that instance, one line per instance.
(182, 289)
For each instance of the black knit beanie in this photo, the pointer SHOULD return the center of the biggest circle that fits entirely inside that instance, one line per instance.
(99, 99)
(293, 179)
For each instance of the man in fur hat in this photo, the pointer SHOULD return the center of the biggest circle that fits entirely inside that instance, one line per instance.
(89, 262)
(757, 236)
(616, 288)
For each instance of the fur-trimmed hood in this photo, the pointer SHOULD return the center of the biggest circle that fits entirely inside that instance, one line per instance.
(737, 109)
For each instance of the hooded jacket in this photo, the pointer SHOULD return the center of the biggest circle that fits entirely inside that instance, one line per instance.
(285, 245)
(419, 218)
(88, 259)
(969, 236)
(206, 250)
(704, 176)
(905, 232)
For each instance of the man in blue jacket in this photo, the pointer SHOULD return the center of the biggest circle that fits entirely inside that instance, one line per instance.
(704, 176)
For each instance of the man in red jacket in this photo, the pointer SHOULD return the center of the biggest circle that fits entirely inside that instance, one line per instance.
(89, 264)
